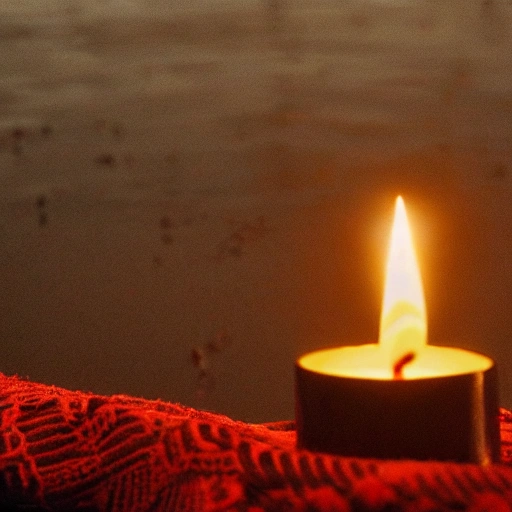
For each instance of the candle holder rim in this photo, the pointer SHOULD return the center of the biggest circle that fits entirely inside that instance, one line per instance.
(300, 364)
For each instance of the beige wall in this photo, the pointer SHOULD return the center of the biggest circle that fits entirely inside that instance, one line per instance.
(218, 177)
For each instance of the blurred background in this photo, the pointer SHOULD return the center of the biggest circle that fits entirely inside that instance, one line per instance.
(193, 193)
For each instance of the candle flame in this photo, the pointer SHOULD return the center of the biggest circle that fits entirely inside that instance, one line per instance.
(403, 324)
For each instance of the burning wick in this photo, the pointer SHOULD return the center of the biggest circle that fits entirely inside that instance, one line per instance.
(399, 365)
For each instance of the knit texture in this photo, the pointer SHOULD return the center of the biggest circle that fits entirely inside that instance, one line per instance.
(70, 451)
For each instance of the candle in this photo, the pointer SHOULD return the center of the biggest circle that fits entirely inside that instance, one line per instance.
(400, 397)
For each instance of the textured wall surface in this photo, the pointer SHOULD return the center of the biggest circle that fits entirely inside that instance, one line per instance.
(194, 193)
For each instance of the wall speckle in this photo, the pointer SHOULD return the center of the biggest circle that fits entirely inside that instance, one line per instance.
(192, 194)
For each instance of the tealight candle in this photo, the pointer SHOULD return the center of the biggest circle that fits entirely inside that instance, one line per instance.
(400, 397)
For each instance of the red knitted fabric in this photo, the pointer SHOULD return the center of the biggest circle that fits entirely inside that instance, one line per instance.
(68, 451)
